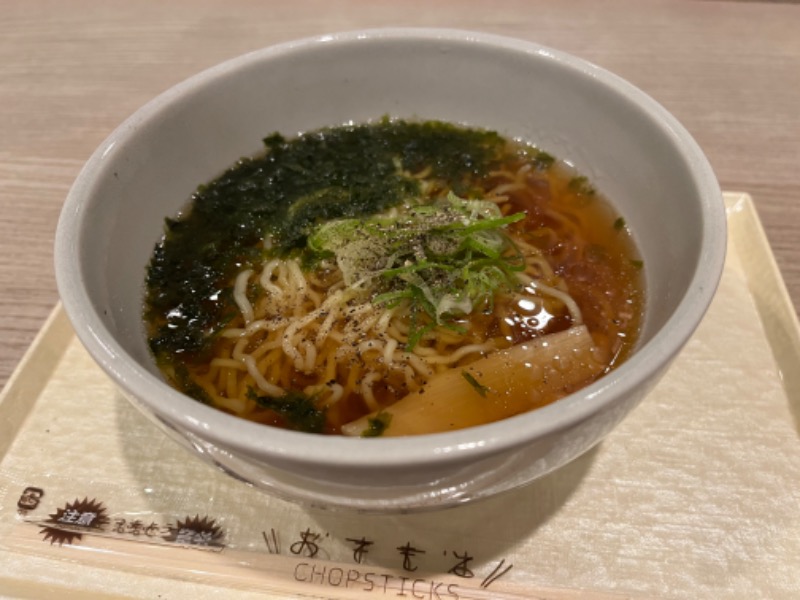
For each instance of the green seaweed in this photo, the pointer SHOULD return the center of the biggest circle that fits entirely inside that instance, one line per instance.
(296, 184)
(299, 411)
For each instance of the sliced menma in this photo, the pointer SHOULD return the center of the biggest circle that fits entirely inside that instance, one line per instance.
(503, 384)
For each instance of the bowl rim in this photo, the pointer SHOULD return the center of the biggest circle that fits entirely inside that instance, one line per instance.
(339, 451)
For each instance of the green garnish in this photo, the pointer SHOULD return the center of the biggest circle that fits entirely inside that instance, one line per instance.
(444, 259)
(299, 410)
(183, 379)
(638, 264)
(481, 389)
(333, 173)
(619, 223)
(377, 424)
(580, 185)
(543, 160)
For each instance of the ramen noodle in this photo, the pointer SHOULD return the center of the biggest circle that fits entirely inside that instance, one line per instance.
(392, 278)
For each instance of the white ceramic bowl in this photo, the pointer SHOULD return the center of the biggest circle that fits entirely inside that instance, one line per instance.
(634, 152)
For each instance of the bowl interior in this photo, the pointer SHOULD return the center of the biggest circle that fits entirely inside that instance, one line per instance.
(631, 149)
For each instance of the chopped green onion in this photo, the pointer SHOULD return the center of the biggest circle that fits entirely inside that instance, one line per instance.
(444, 259)
(377, 424)
(481, 389)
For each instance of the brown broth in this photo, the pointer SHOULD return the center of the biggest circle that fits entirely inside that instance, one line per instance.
(586, 246)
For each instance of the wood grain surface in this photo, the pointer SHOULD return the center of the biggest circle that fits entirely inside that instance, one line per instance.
(70, 72)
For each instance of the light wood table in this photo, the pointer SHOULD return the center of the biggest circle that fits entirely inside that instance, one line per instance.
(71, 71)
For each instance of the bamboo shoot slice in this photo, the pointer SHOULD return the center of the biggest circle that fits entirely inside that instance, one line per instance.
(503, 384)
